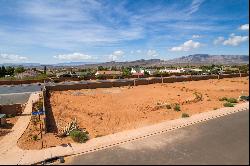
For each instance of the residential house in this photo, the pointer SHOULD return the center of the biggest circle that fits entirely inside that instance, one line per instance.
(137, 70)
(172, 70)
(108, 72)
(151, 71)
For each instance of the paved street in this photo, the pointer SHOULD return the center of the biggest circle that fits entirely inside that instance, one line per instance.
(223, 140)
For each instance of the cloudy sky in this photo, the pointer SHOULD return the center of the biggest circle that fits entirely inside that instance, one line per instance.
(54, 31)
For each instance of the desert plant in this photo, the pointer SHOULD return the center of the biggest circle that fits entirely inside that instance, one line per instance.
(185, 115)
(198, 96)
(232, 100)
(244, 98)
(177, 107)
(227, 104)
(79, 136)
(35, 137)
(223, 99)
(215, 108)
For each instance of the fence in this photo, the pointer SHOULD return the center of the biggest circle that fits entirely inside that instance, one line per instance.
(135, 82)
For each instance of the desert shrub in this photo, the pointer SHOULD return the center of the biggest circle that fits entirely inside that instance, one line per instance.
(223, 99)
(79, 136)
(185, 115)
(177, 107)
(244, 98)
(215, 108)
(198, 96)
(227, 104)
(39, 105)
(35, 137)
(232, 100)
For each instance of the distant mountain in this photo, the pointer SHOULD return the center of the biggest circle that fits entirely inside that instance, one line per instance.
(210, 59)
(141, 62)
(196, 59)
(74, 63)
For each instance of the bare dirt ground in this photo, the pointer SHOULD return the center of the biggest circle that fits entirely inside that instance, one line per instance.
(105, 111)
(7, 128)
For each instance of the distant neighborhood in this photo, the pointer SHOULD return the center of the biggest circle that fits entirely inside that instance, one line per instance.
(113, 72)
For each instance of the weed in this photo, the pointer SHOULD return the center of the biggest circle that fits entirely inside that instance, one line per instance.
(177, 107)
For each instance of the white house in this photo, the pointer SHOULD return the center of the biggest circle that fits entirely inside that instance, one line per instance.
(137, 70)
(172, 70)
(151, 71)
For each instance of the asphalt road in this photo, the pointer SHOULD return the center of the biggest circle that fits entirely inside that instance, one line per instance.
(223, 140)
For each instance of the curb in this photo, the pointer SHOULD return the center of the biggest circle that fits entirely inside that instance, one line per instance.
(120, 138)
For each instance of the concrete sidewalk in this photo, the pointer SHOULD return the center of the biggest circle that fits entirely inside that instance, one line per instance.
(10, 153)
(14, 155)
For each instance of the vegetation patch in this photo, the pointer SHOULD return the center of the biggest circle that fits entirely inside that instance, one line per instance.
(79, 136)
(232, 100)
(177, 107)
(228, 104)
(244, 98)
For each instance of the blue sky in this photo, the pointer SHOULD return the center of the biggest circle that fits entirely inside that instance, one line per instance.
(54, 31)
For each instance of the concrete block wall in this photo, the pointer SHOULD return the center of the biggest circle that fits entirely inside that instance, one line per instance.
(109, 84)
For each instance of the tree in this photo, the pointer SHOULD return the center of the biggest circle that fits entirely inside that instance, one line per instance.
(44, 69)
(19, 69)
(100, 68)
(10, 70)
(2, 71)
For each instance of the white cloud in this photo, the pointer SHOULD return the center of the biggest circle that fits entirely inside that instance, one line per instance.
(188, 45)
(244, 27)
(152, 53)
(116, 55)
(138, 51)
(8, 58)
(196, 36)
(235, 40)
(219, 40)
(73, 57)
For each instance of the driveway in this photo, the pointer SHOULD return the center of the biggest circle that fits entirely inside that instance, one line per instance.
(223, 140)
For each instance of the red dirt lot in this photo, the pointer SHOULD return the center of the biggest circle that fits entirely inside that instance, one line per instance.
(105, 111)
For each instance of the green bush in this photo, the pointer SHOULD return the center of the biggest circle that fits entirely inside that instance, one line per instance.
(227, 104)
(177, 107)
(79, 136)
(232, 100)
(185, 115)
(244, 98)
